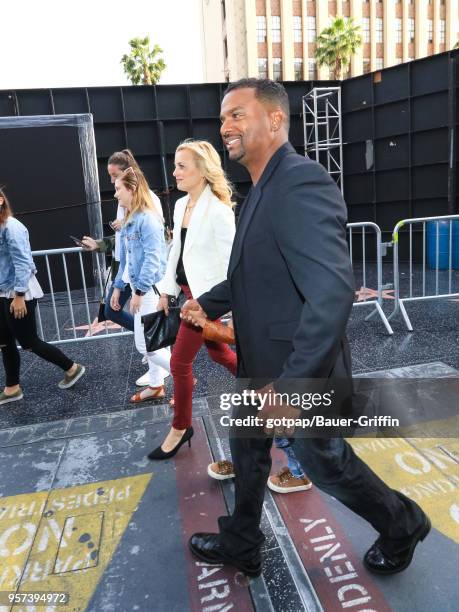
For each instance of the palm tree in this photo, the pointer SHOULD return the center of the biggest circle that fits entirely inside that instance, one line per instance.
(140, 65)
(336, 44)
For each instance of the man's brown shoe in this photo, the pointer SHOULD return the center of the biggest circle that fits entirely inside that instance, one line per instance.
(221, 470)
(285, 482)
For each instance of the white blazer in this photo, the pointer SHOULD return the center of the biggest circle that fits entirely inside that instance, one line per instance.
(208, 244)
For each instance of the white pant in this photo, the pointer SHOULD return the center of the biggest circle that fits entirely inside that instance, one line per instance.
(158, 361)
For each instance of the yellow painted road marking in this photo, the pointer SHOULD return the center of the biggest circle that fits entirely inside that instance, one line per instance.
(63, 540)
(424, 469)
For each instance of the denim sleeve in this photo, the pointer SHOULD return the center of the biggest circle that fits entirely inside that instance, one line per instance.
(17, 239)
(118, 282)
(154, 262)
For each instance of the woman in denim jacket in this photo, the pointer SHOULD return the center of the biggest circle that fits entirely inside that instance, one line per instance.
(19, 291)
(142, 264)
(116, 165)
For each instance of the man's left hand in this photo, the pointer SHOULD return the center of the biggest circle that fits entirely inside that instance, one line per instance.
(275, 409)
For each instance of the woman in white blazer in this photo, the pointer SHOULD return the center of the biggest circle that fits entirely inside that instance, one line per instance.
(204, 230)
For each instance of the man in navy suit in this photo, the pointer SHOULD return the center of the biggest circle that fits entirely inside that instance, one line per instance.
(290, 288)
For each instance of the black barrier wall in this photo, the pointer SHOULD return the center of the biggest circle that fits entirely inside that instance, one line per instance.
(399, 133)
(151, 121)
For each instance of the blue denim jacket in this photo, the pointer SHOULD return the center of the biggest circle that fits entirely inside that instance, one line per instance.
(147, 251)
(16, 263)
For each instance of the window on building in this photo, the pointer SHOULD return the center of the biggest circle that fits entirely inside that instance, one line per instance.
(297, 29)
(442, 31)
(411, 29)
(312, 69)
(398, 60)
(311, 29)
(261, 28)
(379, 29)
(298, 68)
(379, 64)
(276, 28)
(398, 30)
(366, 29)
(430, 30)
(262, 68)
(366, 66)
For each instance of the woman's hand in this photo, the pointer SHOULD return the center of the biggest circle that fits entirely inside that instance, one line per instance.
(163, 304)
(18, 307)
(135, 303)
(116, 224)
(89, 244)
(191, 309)
(114, 300)
(198, 318)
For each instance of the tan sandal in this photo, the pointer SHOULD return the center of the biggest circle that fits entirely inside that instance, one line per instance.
(172, 400)
(158, 394)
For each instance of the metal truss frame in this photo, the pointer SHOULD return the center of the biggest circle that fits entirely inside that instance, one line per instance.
(322, 124)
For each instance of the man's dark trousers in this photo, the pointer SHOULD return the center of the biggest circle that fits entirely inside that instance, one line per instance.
(333, 467)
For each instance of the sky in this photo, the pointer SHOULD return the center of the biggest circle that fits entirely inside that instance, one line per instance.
(51, 43)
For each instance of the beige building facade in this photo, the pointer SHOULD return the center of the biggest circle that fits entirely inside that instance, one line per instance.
(276, 38)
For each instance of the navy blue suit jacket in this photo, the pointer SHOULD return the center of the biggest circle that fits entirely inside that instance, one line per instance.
(290, 283)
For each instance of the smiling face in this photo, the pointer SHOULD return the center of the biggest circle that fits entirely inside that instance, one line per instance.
(123, 194)
(187, 173)
(247, 125)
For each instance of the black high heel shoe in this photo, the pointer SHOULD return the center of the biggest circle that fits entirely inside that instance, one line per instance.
(158, 453)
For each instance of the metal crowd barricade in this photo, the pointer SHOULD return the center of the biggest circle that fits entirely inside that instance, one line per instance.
(429, 284)
(364, 274)
(68, 299)
(64, 303)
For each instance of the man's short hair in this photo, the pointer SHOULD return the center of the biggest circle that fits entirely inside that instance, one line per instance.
(271, 92)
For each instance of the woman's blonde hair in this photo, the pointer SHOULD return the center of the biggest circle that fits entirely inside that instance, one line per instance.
(134, 180)
(208, 161)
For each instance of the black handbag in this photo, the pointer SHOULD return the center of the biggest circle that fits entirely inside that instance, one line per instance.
(101, 314)
(161, 330)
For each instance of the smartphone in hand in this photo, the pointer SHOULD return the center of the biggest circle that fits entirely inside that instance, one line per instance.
(77, 241)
